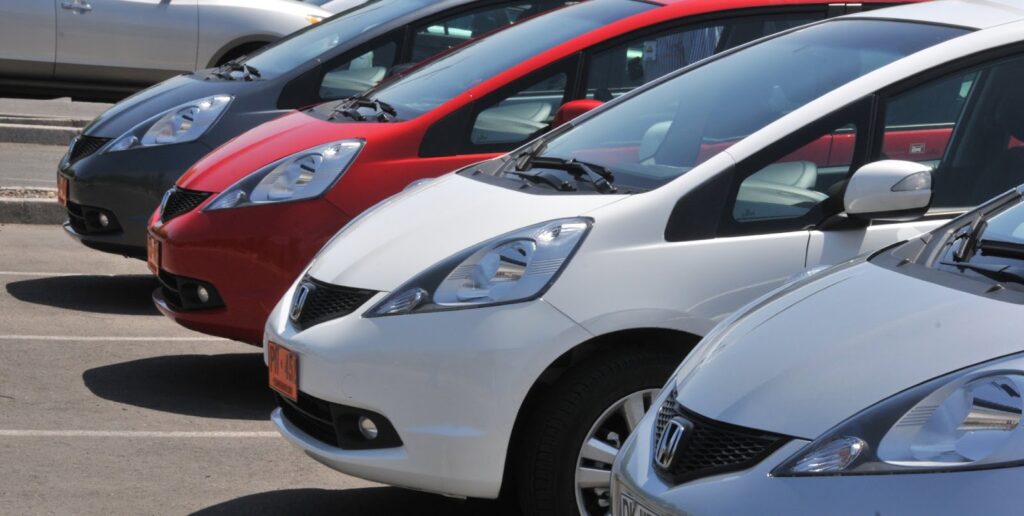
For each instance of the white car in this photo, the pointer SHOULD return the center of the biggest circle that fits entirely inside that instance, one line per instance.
(509, 324)
(105, 49)
(890, 385)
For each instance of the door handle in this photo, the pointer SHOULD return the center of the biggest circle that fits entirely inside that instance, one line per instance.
(77, 6)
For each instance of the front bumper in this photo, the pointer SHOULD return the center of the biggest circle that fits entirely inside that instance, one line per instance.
(128, 186)
(450, 383)
(248, 255)
(753, 491)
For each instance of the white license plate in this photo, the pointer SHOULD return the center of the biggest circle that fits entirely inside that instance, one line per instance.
(628, 506)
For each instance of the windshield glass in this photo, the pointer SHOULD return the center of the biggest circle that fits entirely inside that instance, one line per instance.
(663, 132)
(1008, 226)
(312, 42)
(439, 81)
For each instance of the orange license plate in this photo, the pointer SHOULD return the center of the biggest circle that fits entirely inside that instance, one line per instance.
(62, 190)
(284, 370)
(153, 254)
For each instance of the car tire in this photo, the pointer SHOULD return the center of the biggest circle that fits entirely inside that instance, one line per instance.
(571, 413)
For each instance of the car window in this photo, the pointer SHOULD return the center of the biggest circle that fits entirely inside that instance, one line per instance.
(443, 34)
(793, 186)
(439, 81)
(324, 37)
(614, 71)
(668, 130)
(359, 74)
(968, 125)
(522, 115)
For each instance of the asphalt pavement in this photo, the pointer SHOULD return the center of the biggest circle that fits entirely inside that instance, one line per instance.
(106, 407)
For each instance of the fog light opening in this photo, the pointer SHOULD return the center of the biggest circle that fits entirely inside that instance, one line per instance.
(104, 220)
(203, 294)
(367, 428)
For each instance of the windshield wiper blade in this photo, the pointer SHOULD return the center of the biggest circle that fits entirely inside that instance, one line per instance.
(526, 157)
(1000, 273)
(540, 177)
(1002, 248)
(249, 72)
(382, 111)
(970, 240)
(601, 178)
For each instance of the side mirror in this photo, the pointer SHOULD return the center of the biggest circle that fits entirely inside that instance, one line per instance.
(573, 109)
(889, 190)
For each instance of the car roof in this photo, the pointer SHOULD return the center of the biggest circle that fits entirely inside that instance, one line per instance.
(974, 14)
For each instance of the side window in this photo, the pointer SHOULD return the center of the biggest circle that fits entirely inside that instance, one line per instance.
(794, 183)
(523, 114)
(919, 123)
(440, 35)
(798, 183)
(360, 73)
(616, 70)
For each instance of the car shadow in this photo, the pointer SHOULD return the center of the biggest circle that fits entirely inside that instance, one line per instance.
(229, 386)
(126, 295)
(357, 502)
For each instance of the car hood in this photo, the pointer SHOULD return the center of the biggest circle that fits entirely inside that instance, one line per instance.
(156, 99)
(820, 354)
(276, 139)
(407, 233)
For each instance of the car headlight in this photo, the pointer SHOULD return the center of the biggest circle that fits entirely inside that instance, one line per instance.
(302, 175)
(515, 267)
(180, 124)
(970, 419)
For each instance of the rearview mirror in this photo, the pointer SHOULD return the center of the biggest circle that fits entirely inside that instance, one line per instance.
(573, 109)
(889, 190)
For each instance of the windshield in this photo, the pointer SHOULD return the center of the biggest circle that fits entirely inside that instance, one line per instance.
(663, 132)
(439, 81)
(310, 43)
(1008, 226)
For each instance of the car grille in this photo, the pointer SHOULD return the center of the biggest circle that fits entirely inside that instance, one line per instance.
(326, 302)
(85, 146)
(711, 447)
(179, 201)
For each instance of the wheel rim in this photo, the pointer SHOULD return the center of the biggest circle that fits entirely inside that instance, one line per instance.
(602, 445)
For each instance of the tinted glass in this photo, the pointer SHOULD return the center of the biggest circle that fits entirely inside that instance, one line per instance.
(1008, 226)
(303, 46)
(439, 81)
(616, 70)
(665, 131)
(444, 34)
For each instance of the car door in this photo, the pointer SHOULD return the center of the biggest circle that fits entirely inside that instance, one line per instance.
(125, 41)
(965, 124)
(27, 35)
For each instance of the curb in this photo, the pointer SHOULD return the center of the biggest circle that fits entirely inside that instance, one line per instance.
(35, 133)
(32, 210)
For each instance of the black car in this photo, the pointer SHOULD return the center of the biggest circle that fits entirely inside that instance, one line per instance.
(114, 174)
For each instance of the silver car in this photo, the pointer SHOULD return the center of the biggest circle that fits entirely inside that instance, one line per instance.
(105, 49)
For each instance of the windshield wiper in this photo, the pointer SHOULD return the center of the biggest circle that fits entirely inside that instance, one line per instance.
(226, 71)
(524, 159)
(382, 111)
(1002, 248)
(970, 240)
(601, 178)
(541, 177)
(1000, 273)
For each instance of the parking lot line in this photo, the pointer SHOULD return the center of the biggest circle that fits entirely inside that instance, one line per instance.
(130, 433)
(75, 338)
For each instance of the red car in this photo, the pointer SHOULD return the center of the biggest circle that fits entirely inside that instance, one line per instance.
(242, 223)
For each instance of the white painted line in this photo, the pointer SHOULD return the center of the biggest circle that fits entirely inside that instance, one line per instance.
(73, 338)
(130, 433)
